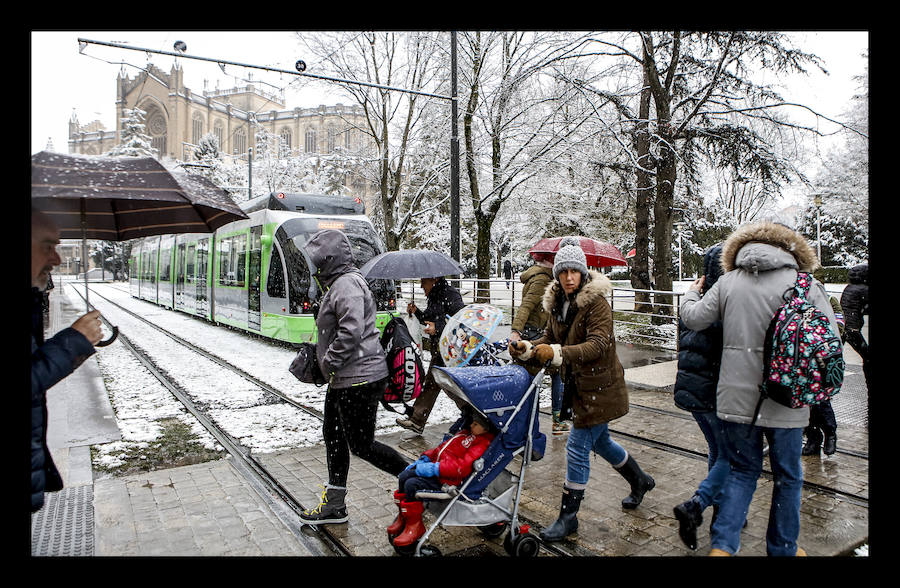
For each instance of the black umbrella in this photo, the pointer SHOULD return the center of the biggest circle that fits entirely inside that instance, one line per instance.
(410, 263)
(122, 198)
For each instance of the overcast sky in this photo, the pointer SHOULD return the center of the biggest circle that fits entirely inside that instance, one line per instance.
(63, 79)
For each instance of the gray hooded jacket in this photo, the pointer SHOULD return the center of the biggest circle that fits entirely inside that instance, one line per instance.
(349, 347)
(761, 262)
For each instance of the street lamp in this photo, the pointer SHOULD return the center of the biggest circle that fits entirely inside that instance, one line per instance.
(817, 200)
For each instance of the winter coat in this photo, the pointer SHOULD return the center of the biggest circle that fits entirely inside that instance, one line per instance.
(760, 262)
(456, 455)
(531, 311)
(443, 300)
(855, 297)
(700, 352)
(51, 361)
(349, 346)
(595, 380)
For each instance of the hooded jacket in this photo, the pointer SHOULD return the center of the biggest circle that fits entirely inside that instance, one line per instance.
(588, 350)
(700, 352)
(855, 297)
(348, 348)
(760, 262)
(443, 300)
(531, 311)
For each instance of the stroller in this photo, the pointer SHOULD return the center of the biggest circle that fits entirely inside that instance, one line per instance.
(489, 497)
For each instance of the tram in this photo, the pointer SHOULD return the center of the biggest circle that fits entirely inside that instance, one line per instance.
(255, 274)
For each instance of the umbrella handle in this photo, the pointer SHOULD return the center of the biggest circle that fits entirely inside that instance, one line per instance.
(115, 333)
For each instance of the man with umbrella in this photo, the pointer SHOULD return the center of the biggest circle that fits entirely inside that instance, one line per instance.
(443, 300)
(53, 359)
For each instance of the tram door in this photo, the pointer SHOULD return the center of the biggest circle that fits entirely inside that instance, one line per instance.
(255, 267)
(202, 277)
(179, 275)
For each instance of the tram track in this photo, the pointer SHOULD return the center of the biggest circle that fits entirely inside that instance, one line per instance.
(280, 500)
(255, 469)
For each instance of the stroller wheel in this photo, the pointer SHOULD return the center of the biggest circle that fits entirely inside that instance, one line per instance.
(430, 551)
(524, 545)
(494, 530)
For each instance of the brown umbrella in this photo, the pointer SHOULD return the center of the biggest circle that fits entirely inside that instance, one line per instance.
(122, 198)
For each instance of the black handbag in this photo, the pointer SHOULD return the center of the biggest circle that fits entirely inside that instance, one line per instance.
(305, 366)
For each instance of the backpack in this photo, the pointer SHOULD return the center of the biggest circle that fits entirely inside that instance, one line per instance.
(803, 361)
(406, 371)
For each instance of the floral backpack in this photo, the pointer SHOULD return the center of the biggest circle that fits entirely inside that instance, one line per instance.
(803, 360)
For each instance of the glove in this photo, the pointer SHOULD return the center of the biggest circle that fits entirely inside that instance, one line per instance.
(544, 353)
(427, 470)
(520, 349)
(423, 459)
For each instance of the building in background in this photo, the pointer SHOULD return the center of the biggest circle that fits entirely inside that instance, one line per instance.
(177, 117)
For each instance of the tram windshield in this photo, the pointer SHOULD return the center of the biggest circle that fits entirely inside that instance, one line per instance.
(364, 245)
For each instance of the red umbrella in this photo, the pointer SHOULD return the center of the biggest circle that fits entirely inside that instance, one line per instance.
(597, 253)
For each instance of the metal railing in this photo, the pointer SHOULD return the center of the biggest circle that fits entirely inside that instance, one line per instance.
(632, 323)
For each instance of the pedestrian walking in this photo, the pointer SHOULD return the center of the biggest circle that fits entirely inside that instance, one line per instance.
(579, 340)
(443, 300)
(760, 262)
(699, 358)
(529, 323)
(821, 433)
(351, 358)
(507, 271)
(855, 303)
(53, 359)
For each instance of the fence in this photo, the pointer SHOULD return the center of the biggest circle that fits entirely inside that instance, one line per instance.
(653, 328)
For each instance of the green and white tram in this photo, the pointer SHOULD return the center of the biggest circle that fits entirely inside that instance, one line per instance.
(255, 274)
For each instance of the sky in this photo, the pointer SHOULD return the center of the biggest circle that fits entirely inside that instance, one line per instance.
(89, 78)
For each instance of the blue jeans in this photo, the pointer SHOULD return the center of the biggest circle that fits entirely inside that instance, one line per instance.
(556, 392)
(745, 444)
(581, 442)
(710, 489)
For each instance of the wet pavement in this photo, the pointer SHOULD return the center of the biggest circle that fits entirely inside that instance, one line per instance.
(210, 509)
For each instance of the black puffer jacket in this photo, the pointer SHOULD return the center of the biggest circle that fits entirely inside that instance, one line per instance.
(855, 298)
(700, 352)
(443, 300)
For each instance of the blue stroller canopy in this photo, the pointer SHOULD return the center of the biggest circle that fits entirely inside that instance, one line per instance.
(496, 391)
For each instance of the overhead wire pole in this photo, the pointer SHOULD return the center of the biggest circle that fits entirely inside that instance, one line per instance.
(454, 138)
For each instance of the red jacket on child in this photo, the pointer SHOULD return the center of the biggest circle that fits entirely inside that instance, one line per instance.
(456, 455)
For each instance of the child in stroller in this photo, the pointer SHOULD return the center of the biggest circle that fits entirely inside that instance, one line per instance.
(449, 463)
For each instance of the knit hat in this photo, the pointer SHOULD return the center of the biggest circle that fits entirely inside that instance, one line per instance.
(570, 256)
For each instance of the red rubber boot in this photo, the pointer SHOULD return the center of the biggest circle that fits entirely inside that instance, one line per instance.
(397, 526)
(412, 512)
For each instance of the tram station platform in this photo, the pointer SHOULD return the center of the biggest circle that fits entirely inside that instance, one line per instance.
(210, 509)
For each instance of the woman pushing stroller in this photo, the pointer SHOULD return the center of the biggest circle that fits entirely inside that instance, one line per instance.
(579, 340)
(449, 463)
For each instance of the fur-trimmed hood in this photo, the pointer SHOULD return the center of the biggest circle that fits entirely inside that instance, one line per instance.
(598, 285)
(735, 254)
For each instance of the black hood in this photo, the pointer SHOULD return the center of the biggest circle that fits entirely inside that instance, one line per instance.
(712, 266)
(859, 274)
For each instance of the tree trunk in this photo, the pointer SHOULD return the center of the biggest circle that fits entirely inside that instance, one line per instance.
(640, 271)
(666, 174)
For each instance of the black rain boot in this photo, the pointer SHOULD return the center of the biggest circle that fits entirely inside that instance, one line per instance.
(567, 523)
(690, 516)
(813, 442)
(641, 483)
(830, 444)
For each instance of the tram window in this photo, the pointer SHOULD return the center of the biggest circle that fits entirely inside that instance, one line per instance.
(232, 260)
(275, 280)
(189, 263)
(297, 271)
(165, 265)
(239, 259)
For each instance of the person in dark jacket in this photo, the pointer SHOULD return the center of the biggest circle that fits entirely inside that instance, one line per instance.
(821, 433)
(507, 271)
(855, 303)
(699, 358)
(579, 340)
(443, 300)
(352, 359)
(51, 360)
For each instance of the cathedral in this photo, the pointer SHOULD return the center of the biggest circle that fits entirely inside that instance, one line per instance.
(177, 117)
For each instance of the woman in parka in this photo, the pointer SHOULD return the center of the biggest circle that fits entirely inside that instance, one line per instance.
(579, 340)
(351, 358)
(760, 262)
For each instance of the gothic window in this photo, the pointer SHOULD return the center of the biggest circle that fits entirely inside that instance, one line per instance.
(219, 132)
(332, 134)
(196, 128)
(157, 128)
(347, 139)
(286, 139)
(240, 141)
(310, 143)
